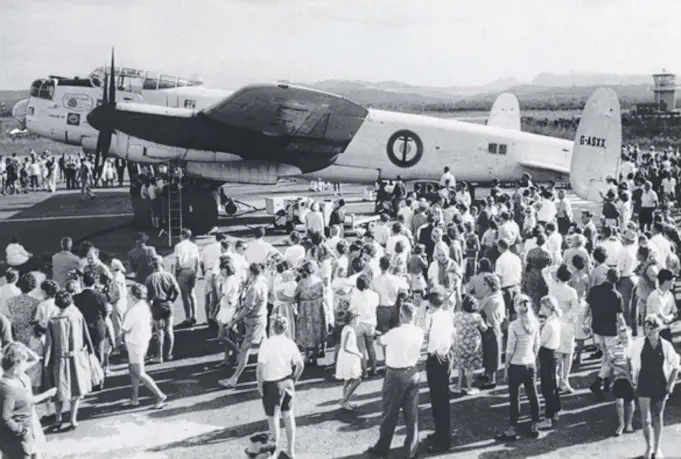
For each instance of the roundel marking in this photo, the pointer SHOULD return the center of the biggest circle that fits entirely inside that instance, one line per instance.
(72, 103)
(405, 148)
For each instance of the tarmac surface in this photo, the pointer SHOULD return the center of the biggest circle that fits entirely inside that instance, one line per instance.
(203, 420)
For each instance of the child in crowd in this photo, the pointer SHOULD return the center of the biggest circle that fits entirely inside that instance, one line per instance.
(580, 282)
(622, 387)
(349, 362)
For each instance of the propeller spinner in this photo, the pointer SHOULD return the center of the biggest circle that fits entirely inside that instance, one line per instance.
(99, 116)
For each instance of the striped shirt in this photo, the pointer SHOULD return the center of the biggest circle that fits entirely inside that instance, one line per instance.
(522, 346)
(619, 362)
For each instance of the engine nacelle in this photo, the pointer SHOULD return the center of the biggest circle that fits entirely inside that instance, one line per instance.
(89, 144)
(257, 172)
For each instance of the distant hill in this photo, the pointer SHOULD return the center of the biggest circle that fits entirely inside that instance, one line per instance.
(590, 79)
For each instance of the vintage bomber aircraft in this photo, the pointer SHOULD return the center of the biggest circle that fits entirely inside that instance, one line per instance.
(261, 133)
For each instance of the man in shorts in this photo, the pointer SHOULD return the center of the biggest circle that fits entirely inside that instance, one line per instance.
(280, 364)
(162, 290)
(186, 270)
(254, 314)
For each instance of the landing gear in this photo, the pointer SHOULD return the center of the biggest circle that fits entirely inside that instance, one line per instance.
(200, 206)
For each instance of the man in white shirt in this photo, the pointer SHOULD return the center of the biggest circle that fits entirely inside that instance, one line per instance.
(554, 243)
(547, 209)
(186, 271)
(448, 177)
(258, 251)
(210, 255)
(407, 211)
(382, 230)
(279, 367)
(510, 231)
(401, 383)
(388, 287)
(611, 245)
(627, 261)
(662, 303)
(295, 252)
(397, 236)
(9, 290)
(440, 341)
(334, 238)
(509, 268)
(314, 220)
(649, 202)
(664, 247)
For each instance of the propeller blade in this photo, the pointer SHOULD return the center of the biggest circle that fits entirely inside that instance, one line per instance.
(112, 84)
(105, 90)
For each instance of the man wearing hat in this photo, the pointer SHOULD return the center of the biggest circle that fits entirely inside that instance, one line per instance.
(626, 263)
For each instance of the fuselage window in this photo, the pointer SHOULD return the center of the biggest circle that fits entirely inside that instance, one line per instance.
(492, 148)
(502, 149)
(46, 90)
(189, 103)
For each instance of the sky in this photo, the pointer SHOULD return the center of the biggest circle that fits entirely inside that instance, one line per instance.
(420, 42)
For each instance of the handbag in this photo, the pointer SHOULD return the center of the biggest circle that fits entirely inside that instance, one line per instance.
(96, 371)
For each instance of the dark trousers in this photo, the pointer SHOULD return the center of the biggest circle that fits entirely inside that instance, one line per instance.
(548, 367)
(525, 375)
(509, 294)
(626, 287)
(70, 179)
(438, 385)
(400, 391)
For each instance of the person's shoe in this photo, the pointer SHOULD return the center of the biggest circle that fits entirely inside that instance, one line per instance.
(619, 431)
(473, 391)
(534, 433)
(555, 418)
(488, 385)
(545, 424)
(437, 449)
(658, 454)
(375, 452)
(507, 436)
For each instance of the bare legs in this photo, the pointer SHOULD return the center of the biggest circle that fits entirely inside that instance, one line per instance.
(651, 424)
(137, 376)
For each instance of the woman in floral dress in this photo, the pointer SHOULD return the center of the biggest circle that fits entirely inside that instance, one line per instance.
(22, 309)
(312, 322)
(467, 349)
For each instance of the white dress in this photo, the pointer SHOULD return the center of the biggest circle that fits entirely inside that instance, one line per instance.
(348, 366)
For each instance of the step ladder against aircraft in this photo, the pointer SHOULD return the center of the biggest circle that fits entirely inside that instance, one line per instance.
(175, 222)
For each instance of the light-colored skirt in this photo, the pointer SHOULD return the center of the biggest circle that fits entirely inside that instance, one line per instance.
(348, 366)
(567, 337)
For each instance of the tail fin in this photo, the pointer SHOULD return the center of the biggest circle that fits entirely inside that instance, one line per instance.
(505, 112)
(596, 151)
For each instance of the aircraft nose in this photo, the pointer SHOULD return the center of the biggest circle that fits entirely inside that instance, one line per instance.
(20, 110)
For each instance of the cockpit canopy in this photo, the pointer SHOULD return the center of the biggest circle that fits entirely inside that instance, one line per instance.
(43, 89)
(131, 79)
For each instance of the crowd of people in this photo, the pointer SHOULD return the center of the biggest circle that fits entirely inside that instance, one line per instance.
(43, 172)
(511, 287)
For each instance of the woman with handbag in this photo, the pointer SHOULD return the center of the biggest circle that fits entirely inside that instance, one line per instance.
(67, 358)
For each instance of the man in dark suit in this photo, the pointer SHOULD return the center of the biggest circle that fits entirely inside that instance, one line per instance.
(95, 308)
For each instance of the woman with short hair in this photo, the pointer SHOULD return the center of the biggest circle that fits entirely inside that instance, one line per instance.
(136, 329)
(312, 321)
(22, 309)
(67, 366)
(654, 367)
(521, 354)
(21, 435)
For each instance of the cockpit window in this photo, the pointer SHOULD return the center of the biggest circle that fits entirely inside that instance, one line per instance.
(43, 89)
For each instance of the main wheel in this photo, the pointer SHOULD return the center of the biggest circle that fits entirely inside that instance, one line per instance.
(201, 208)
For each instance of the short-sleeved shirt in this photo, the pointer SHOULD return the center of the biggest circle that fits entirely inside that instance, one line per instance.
(606, 303)
(278, 355)
(402, 346)
(137, 324)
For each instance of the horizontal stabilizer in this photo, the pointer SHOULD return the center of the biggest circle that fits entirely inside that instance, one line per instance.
(596, 151)
(544, 166)
(505, 112)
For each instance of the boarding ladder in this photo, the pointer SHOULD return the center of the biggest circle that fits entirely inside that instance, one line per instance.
(175, 205)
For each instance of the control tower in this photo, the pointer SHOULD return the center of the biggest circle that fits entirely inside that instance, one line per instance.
(665, 91)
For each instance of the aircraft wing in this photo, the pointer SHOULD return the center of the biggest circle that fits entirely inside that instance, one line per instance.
(283, 110)
(538, 165)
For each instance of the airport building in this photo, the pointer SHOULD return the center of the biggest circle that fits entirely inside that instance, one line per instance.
(664, 92)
